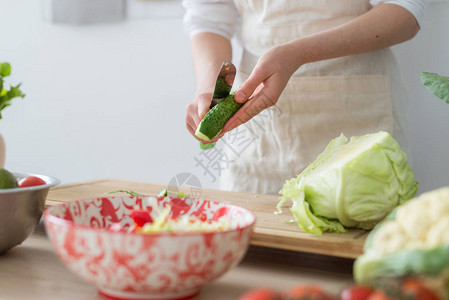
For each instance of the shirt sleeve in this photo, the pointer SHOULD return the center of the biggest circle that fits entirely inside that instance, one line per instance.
(415, 7)
(216, 16)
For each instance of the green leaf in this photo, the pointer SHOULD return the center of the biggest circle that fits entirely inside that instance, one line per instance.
(438, 85)
(5, 69)
(409, 261)
(15, 92)
(311, 223)
(6, 96)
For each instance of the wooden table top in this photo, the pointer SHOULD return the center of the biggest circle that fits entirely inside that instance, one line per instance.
(33, 271)
(274, 231)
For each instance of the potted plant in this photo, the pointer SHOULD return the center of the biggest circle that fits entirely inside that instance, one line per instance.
(6, 95)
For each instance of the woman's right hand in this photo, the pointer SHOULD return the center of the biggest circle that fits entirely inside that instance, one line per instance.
(196, 110)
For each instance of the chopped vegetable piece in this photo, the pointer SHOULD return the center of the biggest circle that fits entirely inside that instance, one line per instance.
(141, 217)
(163, 193)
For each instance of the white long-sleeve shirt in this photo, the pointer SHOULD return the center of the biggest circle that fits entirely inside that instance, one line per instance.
(221, 16)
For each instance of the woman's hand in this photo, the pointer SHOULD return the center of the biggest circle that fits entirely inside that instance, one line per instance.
(196, 110)
(264, 86)
(209, 50)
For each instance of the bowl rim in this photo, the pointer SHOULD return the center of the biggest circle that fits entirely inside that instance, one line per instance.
(48, 217)
(51, 182)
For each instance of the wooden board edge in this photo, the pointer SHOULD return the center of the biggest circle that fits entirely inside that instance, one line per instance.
(292, 245)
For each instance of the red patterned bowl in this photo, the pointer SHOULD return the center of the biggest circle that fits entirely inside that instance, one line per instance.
(146, 266)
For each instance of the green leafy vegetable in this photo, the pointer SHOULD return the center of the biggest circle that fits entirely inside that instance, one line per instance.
(352, 184)
(131, 193)
(7, 95)
(438, 85)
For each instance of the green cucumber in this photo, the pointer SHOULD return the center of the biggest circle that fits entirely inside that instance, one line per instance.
(216, 118)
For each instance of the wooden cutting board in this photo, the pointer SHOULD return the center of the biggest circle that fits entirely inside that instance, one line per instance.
(274, 231)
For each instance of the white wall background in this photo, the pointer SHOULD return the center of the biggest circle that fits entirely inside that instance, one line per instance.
(108, 100)
(429, 116)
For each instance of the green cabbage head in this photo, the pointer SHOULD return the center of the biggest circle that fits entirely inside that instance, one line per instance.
(353, 184)
(412, 241)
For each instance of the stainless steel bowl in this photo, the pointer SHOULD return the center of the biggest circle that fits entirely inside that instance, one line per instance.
(21, 210)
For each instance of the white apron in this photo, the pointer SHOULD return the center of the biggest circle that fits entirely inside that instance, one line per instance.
(349, 95)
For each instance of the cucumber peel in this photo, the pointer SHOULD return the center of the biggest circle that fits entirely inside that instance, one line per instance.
(206, 146)
(222, 88)
(213, 122)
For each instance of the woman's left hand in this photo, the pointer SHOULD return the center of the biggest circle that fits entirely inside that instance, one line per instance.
(264, 86)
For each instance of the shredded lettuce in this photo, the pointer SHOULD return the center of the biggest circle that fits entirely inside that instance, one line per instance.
(163, 223)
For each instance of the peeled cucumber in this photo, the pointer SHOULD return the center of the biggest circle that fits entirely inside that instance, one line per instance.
(216, 118)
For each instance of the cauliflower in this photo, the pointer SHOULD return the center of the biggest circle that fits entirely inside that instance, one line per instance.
(412, 241)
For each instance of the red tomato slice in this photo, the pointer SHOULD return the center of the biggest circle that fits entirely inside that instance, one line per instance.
(356, 292)
(414, 289)
(306, 292)
(31, 181)
(141, 217)
(261, 294)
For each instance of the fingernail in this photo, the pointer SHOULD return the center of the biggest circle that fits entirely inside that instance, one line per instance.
(240, 96)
